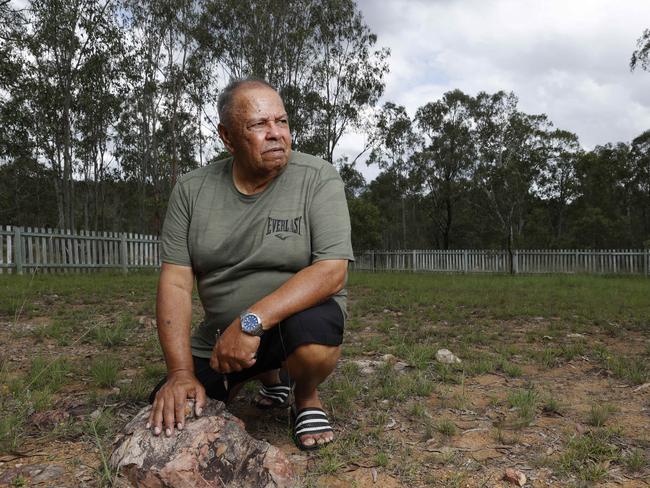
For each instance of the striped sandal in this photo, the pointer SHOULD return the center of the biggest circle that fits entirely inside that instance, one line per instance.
(278, 396)
(309, 420)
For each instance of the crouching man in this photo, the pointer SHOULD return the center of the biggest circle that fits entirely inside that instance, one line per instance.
(266, 235)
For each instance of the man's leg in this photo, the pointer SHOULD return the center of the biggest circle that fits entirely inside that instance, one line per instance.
(308, 366)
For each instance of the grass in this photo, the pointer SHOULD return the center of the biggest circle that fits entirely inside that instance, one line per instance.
(600, 414)
(495, 323)
(587, 456)
(104, 370)
(525, 402)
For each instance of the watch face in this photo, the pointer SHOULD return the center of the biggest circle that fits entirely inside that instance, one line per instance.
(249, 322)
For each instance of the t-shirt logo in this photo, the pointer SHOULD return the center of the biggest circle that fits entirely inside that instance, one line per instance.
(283, 228)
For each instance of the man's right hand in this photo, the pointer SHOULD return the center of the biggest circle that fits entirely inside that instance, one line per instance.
(168, 408)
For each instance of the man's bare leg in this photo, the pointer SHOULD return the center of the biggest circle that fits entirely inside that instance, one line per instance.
(308, 366)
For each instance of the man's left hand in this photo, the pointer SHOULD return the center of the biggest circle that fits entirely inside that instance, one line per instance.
(235, 350)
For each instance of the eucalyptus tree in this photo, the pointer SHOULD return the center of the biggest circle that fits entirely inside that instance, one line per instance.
(557, 183)
(510, 159)
(65, 41)
(319, 54)
(158, 129)
(641, 55)
(395, 152)
(445, 161)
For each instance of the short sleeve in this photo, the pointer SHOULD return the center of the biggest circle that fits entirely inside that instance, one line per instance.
(329, 219)
(174, 241)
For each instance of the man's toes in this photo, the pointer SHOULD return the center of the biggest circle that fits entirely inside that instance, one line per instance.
(308, 440)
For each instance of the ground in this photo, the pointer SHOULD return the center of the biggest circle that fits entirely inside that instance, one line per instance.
(553, 380)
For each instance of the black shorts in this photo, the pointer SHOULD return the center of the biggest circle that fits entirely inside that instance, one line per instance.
(321, 324)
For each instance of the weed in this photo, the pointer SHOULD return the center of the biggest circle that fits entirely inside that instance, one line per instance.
(111, 335)
(634, 370)
(635, 460)
(446, 427)
(586, 455)
(381, 458)
(510, 369)
(525, 401)
(44, 373)
(599, 414)
(551, 405)
(104, 371)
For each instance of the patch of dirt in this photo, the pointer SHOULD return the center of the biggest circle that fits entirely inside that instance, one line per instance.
(397, 454)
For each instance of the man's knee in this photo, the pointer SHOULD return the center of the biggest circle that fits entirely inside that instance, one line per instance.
(315, 355)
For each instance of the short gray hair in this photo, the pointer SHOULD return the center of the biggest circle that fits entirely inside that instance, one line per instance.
(224, 102)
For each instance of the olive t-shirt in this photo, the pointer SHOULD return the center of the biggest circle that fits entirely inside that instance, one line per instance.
(243, 247)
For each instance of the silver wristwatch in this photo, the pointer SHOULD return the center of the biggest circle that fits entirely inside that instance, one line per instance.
(251, 323)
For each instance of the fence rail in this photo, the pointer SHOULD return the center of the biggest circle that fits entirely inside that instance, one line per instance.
(604, 261)
(27, 249)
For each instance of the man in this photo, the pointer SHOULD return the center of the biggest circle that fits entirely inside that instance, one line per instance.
(266, 234)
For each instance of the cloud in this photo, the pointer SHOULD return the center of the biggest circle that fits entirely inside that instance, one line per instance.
(568, 59)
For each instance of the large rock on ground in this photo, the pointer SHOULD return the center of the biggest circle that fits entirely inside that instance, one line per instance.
(213, 450)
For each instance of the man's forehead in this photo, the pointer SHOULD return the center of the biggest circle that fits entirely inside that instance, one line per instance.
(258, 101)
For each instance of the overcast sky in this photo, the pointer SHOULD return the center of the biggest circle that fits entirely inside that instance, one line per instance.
(568, 59)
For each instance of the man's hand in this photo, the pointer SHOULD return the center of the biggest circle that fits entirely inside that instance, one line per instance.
(169, 406)
(235, 350)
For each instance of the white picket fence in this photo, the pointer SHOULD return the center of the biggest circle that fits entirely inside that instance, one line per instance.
(31, 249)
(603, 261)
(27, 249)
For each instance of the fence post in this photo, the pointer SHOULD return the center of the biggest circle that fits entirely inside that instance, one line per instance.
(372, 255)
(515, 261)
(413, 267)
(123, 254)
(18, 250)
(465, 262)
(646, 259)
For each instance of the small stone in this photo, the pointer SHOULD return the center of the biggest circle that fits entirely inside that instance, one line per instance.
(642, 387)
(575, 335)
(49, 418)
(373, 473)
(515, 477)
(446, 356)
(400, 366)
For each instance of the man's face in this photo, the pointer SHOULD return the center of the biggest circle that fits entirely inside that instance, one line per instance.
(257, 134)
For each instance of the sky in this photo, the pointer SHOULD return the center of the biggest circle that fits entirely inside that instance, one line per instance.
(568, 59)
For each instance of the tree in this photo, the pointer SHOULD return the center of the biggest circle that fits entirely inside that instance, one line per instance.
(510, 159)
(398, 143)
(444, 163)
(557, 182)
(642, 53)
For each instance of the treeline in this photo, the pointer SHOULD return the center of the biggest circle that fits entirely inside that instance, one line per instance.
(104, 103)
(475, 172)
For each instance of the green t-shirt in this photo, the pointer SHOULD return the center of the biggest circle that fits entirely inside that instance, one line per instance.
(243, 247)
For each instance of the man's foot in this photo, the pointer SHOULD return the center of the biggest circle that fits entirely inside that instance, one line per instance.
(310, 426)
(275, 391)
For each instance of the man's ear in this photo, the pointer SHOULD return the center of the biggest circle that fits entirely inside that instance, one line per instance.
(225, 137)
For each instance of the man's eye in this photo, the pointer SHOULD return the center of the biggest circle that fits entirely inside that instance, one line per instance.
(283, 121)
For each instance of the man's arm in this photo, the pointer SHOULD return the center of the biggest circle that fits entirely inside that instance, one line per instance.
(174, 317)
(307, 288)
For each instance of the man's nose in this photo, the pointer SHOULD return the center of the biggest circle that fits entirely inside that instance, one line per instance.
(274, 131)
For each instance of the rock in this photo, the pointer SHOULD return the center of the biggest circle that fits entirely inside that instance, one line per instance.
(400, 366)
(36, 473)
(367, 366)
(575, 335)
(641, 387)
(212, 450)
(48, 418)
(515, 477)
(446, 356)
